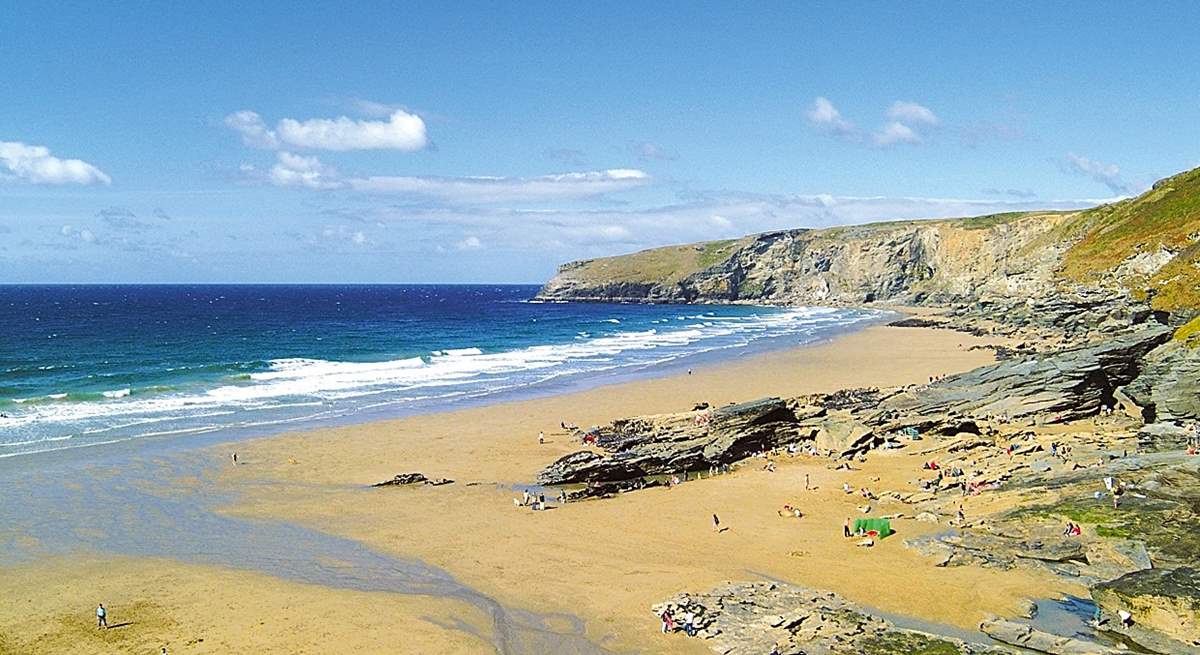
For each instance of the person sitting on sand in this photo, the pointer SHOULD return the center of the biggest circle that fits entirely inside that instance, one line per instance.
(101, 616)
(846, 488)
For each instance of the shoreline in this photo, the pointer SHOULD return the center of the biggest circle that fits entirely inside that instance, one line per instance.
(116, 449)
(606, 562)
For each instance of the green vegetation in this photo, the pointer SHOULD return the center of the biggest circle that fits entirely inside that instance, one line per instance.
(750, 289)
(1189, 334)
(906, 643)
(1177, 285)
(715, 252)
(1164, 525)
(1167, 216)
(667, 265)
(992, 220)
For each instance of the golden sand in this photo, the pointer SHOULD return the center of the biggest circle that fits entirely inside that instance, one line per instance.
(603, 561)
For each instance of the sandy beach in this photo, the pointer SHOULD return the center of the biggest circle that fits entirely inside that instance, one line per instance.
(604, 562)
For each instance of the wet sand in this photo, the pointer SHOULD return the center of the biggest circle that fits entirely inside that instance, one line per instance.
(604, 562)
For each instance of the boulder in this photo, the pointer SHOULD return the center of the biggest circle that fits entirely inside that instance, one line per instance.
(843, 435)
(754, 618)
(1168, 387)
(1025, 636)
(403, 479)
(1166, 602)
(688, 441)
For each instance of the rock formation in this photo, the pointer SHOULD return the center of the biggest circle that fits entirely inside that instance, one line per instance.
(753, 618)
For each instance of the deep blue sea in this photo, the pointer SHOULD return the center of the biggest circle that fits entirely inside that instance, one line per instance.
(91, 365)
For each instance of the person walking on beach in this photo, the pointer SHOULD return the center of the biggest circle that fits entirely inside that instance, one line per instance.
(233, 456)
(846, 528)
(101, 617)
(806, 485)
(541, 437)
(716, 523)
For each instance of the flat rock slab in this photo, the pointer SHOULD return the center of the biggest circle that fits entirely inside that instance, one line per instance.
(757, 618)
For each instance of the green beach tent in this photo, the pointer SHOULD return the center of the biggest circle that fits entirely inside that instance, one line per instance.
(881, 526)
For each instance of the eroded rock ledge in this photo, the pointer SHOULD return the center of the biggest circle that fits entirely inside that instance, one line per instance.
(1063, 386)
(758, 618)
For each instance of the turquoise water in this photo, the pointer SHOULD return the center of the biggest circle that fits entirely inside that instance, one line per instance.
(96, 365)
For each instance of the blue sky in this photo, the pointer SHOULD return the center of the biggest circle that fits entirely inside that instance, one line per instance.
(210, 142)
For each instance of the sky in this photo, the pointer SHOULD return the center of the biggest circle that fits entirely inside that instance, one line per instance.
(391, 143)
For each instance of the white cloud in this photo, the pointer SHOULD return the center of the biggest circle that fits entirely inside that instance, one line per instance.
(563, 186)
(1107, 174)
(720, 222)
(894, 133)
(469, 243)
(254, 132)
(36, 164)
(83, 234)
(401, 131)
(297, 170)
(826, 117)
(912, 113)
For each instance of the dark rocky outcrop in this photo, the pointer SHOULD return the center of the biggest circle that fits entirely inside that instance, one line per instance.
(1067, 385)
(404, 479)
(674, 443)
(1164, 603)
(1168, 387)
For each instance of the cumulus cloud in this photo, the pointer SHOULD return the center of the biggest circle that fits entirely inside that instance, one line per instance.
(894, 133)
(401, 131)
(825, 116)
(297, 170)
(35, 164)
(254, 131)
(562, 186)
(911, 113)
(1107, 174)
(907, 118)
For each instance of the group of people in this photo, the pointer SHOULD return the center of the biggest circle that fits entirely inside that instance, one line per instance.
(687, 621)
(535, 502)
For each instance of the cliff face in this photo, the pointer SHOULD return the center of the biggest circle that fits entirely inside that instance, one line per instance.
(936, 261)
(1144, 249)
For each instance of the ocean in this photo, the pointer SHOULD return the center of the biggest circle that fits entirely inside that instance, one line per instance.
(87, 366)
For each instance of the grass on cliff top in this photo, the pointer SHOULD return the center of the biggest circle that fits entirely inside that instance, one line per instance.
(666, 265)
(1189, 334)
(1167, 215)
(992, 220)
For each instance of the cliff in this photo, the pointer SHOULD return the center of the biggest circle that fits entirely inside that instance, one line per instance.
(1144, 249)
